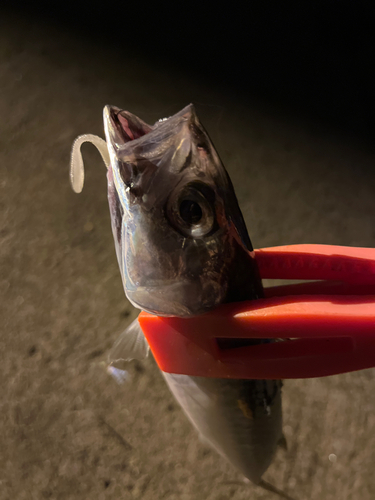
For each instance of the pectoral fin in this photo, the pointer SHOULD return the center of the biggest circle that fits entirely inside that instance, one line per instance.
(131, 344)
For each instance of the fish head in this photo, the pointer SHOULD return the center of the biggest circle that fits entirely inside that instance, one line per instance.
(179, 233)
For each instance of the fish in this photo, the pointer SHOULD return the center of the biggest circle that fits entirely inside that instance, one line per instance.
(183, 249)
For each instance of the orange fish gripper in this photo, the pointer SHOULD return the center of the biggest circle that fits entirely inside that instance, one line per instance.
(321, 328)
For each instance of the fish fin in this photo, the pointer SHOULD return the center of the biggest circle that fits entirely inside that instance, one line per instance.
(77, 170)
(269, 487)
(131, 344)
(283, 443)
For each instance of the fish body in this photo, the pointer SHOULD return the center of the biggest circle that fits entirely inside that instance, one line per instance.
(241, 419)
(183, 249)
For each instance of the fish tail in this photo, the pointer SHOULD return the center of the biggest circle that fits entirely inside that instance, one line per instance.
(269, 487)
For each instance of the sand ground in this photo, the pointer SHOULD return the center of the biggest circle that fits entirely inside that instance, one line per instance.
(68, 430)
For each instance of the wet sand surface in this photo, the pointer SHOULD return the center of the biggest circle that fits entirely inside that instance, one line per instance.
(68, 429)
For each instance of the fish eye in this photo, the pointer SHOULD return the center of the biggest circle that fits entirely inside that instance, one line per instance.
(191, 210)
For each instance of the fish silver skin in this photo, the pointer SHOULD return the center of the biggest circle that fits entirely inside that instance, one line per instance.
(183, 249)
(170, 265)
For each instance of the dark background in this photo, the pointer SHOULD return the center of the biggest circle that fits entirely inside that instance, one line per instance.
(286, 91)
(313, 59)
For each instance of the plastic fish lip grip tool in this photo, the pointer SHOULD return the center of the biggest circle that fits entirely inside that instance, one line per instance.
(322, 328)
